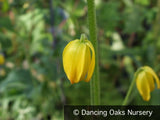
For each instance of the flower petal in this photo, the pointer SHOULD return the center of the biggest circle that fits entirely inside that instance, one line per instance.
(69, 60)
(150, 81)
(143, 86)
(86, 63)
(150, 70)
(2, 59)
(92, 64)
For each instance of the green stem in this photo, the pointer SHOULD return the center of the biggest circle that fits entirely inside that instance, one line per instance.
(94, 84)
(125, 102)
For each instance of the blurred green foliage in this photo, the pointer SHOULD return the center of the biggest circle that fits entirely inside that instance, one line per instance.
(33, 34)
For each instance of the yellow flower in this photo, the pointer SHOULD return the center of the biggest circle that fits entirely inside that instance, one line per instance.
(2, 59)
(145, 82)
(79, 60)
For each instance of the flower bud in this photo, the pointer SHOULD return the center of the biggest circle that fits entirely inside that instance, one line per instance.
(2, 59)
(79, 60)
(145, 82)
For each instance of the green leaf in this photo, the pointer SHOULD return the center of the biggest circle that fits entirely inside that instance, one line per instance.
(133, 17)
(143, 2)
(17, 80)
(5, 22)
(108, 16)
(5, 42)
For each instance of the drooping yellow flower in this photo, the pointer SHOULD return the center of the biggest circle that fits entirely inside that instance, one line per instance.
(145, 82)
(2, 59)
(79, 60)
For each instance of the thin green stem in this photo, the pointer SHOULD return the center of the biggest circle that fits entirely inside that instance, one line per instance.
(125, 102)
(94, 84)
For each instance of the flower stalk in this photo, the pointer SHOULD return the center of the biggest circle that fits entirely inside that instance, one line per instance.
(125, 102)
(94, 84)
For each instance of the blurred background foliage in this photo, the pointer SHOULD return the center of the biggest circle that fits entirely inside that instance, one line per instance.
(33, 33)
